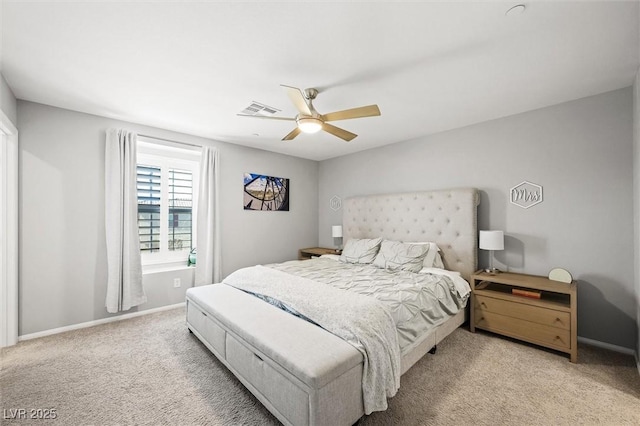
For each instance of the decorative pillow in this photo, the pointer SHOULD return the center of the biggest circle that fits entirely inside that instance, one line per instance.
(433, 258)
(395, 255)
(437, 259)
(360, 251)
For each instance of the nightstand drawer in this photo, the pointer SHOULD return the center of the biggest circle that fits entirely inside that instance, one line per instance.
(521, 329)
(523, 311)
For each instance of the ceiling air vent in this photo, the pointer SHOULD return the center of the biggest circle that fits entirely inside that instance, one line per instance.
(256, 108)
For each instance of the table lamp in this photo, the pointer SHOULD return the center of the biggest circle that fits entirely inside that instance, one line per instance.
(491, 240)
(336, 232)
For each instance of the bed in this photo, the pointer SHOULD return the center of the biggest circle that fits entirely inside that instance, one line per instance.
(301, 372)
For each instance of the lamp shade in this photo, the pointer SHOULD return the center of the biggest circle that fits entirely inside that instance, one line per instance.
(336, 231)
(491, 240)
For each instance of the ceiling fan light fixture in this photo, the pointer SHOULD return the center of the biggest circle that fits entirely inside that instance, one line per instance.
(309, 124)
(308, 120)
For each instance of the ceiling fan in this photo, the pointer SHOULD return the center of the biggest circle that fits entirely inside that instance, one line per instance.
(311, 121)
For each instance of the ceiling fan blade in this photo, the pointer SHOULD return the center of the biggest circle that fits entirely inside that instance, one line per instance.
(337, 131)
(295, 132)
(365, 111)
(264, 117)
(298, 99)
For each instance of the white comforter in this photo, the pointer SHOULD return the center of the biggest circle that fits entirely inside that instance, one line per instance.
(360, 320)
(416, 302)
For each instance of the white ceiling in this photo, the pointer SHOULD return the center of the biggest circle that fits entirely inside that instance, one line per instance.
(430, 66)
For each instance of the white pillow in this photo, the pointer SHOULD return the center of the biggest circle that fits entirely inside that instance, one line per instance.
(360, 250)
(395, 255)
(433, 258)
(335, 257)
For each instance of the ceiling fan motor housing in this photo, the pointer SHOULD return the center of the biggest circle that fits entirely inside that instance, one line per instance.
(310, 93)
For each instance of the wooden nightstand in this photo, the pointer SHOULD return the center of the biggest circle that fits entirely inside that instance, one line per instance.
(308, 253)
(550, 321)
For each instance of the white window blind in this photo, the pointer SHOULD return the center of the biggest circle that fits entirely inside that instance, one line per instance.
(180, 209)
(167, 180)
(149, 197)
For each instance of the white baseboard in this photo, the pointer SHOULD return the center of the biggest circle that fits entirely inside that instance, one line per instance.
(97, 322)
(609, 346)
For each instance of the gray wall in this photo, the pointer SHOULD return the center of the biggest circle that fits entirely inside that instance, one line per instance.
(62, 244)
(8, 103)
(636, 195)
(636, 198)
(580, 152)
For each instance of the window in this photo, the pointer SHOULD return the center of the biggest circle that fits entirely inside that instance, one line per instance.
(167, 180)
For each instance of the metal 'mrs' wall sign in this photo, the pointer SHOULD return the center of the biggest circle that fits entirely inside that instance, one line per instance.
(526, 194)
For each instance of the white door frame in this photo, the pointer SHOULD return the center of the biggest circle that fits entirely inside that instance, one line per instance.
(8, 232)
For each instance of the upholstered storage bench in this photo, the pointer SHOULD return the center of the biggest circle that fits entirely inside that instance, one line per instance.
(303, 374)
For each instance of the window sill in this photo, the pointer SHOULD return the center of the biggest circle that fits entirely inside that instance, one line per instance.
(164, 267)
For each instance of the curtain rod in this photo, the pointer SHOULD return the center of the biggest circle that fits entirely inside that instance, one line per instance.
(170, 140)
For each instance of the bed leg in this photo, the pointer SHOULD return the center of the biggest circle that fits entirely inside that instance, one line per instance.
(433, 350)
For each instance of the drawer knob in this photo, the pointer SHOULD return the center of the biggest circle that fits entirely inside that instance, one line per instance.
(483, 304)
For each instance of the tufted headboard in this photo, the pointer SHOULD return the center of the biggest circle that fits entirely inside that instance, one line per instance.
(446, 217)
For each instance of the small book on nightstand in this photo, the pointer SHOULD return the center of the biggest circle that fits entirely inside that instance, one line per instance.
(534, 294)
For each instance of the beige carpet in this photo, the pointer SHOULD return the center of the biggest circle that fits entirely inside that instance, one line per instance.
(151, 370)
